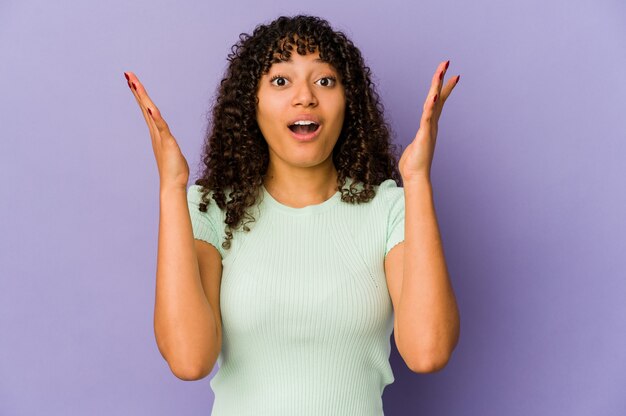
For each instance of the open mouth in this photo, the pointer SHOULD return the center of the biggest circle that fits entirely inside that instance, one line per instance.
(304, 128)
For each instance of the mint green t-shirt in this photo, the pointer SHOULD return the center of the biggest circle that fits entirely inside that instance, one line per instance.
(306, 312)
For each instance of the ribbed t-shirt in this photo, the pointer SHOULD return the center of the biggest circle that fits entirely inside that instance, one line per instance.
(306, 312)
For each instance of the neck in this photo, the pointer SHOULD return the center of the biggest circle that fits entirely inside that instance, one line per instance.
(299, 187)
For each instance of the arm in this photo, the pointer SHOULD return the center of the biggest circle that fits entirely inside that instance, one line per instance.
(427, 317)
(186, 319)
(184, 322)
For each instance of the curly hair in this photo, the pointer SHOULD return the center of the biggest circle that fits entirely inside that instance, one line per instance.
(236, 155)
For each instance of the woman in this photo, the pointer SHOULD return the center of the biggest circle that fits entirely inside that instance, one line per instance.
(297, 310)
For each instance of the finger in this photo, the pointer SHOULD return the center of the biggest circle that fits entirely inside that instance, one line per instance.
(442, 74)
(140, 90)
(447, 90)
(433, 105)
(157, 125)
(434, 93)
(428, 112)
(132, 84)
(159, 122)
(436, 81)
(155, 137)
(153, 114)
(144, 111)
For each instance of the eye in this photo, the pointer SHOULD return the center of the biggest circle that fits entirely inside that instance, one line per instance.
(330, 81)
(282, 80)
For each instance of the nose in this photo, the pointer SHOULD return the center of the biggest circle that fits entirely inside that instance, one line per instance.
(304, 95)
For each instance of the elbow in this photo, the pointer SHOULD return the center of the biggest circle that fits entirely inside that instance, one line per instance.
(189, 372)
(188, 366)
(185, 369)
(431, 359)
(427, 366)
(427, 362)
(192, 369)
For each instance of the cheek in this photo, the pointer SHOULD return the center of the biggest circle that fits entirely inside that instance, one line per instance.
(269, 109)
(340, 109)
(341, 114)
(269, 122)
(264, 116)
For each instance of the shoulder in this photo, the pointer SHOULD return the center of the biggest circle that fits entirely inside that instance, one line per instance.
(195, 192)
(207, 225)
(390, 192)
(386, 187)
(195, 195)
(388, 184)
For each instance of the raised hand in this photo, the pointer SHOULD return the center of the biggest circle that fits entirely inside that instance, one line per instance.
(172, 166)
(417, 158)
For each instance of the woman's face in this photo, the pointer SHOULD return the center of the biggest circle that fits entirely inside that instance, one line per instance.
(303, 87)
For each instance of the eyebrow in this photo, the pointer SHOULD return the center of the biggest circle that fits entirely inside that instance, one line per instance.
(316, 60)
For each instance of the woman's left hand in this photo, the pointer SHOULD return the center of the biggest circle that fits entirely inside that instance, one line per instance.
(417, 157)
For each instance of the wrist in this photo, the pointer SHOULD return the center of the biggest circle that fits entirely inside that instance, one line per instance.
(417, 181)
(167, 190)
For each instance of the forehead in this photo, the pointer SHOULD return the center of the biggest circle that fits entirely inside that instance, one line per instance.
(294, 51)
(295, 59)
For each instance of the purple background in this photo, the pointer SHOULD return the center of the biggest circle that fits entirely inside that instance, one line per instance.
(528, 177)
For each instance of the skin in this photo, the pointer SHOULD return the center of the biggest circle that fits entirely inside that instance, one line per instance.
(416, 160)
(187, 317)
(300, 173)
(427, 322)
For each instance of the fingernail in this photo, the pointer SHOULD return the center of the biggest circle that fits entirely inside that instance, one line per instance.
(134, 86)
(447, 64)
(126, 75)
(441, 75)
(149, 111)
(457, 80)
(435, 99)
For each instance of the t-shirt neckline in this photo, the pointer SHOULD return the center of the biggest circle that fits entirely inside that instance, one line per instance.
(309, 209)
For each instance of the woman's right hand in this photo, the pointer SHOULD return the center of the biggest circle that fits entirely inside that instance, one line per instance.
(172, 166)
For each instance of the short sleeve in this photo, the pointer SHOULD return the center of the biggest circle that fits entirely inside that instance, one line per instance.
(395, 211)
(203, 223)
